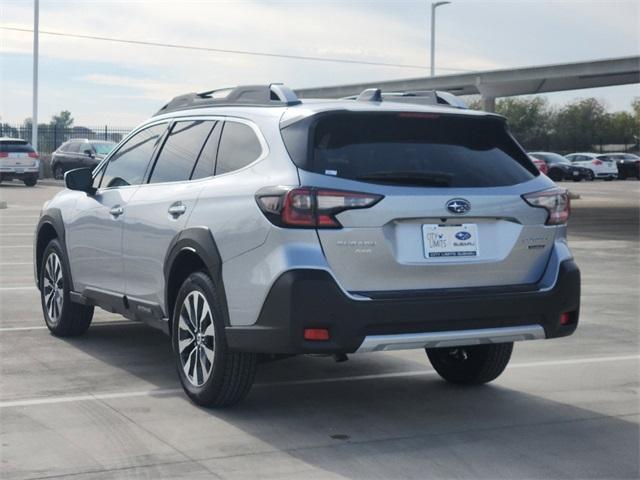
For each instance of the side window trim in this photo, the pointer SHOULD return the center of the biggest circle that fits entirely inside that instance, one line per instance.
(204, 144)
(156, 153)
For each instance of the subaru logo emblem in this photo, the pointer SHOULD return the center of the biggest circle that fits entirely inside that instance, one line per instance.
(463, 236)
(458, 206)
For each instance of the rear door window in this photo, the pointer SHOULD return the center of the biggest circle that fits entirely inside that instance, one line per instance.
(239, 146)
(421, 149)
(180, 151)
(73, 147)
(129, 164)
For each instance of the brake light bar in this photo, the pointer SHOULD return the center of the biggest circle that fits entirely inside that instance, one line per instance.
(555, 201)
(310, 207)
(33, 154)
(4, 154)
(596, 162)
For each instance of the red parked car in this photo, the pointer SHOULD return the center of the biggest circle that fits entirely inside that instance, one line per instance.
(542, 166)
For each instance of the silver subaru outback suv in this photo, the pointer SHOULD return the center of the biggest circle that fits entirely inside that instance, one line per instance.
(249, 224)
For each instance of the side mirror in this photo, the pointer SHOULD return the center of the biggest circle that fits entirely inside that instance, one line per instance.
(89, 153)
(80, 179)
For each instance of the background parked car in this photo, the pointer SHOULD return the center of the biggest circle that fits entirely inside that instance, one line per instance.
(18, 160)
(559, 168)
(79, 153)
(601, 168)
(628, 164)
(542, 166)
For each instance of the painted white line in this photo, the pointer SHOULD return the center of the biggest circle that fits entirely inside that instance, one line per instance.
(16, 263)
(2, 224)
(16, 246)
(172, 391)
(30, 234)
(44, 327)
(21, 287)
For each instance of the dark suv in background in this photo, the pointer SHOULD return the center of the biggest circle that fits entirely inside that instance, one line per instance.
(559, 168)
(79, 153)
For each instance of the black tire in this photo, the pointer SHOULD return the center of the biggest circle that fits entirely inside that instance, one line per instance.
(556, 176)
(230, 374)
(591, 176)
(30, 181)
(472, 365)
(58, 172)
(579, 179)
(622, 175)
(65, 318)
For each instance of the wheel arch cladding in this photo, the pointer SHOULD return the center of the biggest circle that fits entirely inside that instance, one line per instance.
(50, 226)
(192, 250)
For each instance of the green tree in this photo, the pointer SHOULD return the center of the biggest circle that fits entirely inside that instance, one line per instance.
(63, 120)
(580, 125)
(529, 120)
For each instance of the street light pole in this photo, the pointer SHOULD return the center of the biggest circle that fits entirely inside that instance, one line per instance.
(433, 35)
(34, 116)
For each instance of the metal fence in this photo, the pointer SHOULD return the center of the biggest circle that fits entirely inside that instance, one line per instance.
(51, 137)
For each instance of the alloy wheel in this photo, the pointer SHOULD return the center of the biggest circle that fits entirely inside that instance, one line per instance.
(53, 288)
(196, 338)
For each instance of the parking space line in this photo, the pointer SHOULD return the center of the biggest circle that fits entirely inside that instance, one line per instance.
(16, 246)
(30, 234)
(172, 391)
(93, 325)
(16, 263)
(21, 287)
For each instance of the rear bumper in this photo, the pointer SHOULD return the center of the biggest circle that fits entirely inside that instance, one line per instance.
(306, 298)
(15, 172)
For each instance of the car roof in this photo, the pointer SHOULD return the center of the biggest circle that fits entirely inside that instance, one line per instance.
(11, 139)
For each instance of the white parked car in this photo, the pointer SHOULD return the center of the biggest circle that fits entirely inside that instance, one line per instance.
(601, 167)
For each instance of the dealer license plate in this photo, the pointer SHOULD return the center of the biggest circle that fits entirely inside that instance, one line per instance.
(450, 240)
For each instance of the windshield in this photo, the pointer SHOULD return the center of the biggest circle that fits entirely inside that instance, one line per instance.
(416, 149)
(103, 148)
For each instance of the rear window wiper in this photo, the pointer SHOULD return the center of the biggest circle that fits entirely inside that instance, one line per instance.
(410, 178)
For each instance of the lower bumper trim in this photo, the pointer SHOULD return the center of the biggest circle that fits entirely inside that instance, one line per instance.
(458, 338)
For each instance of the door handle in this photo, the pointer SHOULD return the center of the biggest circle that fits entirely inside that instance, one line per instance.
(177, 209)
(116, 211)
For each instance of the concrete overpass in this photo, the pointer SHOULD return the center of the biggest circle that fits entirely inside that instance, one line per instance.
(504, 83)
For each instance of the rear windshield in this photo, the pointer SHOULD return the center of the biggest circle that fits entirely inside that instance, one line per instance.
(412, 149)
(15, 146)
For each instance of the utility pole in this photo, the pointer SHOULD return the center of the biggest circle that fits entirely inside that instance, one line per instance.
(34, 116)
(433, 34)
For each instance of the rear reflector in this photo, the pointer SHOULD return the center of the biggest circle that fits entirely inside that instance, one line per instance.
(555, 201)
(316, 334)
(566, 318)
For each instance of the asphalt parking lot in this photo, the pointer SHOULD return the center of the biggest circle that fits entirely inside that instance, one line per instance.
(109, 404)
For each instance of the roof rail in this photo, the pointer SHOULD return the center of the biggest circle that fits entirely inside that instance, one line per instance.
(423, 97)
(273, 95)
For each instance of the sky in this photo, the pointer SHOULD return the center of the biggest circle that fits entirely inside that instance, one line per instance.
(122, 84)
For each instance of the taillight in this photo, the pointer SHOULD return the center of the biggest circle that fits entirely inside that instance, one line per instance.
(596, 162)
(4, 154)
(555, 201)
(33, 154)
(310, 207)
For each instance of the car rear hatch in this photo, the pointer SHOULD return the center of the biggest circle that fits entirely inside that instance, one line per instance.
(16, 154)
(452, 214)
